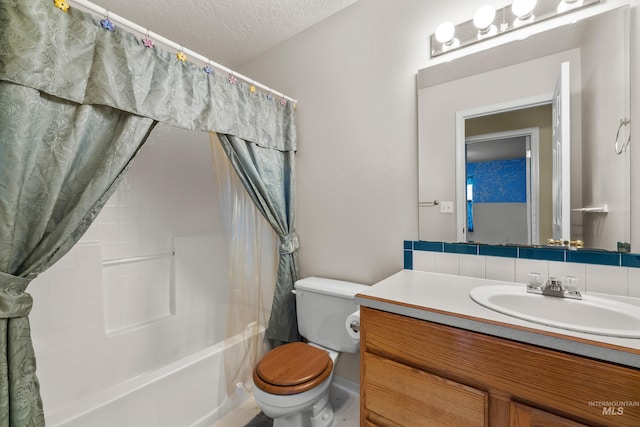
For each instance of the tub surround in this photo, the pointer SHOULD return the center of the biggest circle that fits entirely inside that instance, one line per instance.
(444, 299)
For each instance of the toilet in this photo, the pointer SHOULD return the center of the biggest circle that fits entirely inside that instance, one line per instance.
(292, 380)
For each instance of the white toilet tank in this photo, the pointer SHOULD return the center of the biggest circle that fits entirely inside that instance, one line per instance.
(323, 306)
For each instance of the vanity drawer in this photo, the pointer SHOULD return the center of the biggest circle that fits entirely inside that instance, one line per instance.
(399, 395)
(525, 416)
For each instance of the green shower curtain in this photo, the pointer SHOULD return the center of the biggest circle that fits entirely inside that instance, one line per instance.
(59, 164)
(267, 175)
(76, 103)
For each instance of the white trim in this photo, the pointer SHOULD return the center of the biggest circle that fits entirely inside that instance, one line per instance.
(345, 384)
(562, 122)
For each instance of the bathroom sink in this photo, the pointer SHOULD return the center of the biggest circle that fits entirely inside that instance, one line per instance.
(591, 314)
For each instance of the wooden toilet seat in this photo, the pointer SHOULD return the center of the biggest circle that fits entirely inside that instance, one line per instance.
(292, 368)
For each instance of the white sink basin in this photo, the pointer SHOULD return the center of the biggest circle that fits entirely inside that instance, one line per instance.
(592, 314)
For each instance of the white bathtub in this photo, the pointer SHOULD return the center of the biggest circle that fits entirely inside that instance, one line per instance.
(188, 392)
(162, 372)
(128, 326)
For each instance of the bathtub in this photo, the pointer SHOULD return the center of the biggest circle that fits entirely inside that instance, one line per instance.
(187, 392)
(129, 327)
(167, 370)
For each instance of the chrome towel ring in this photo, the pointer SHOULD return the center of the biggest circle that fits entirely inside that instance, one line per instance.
(623, 122)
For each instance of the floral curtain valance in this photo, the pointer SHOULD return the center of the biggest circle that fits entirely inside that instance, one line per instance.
(70, 56)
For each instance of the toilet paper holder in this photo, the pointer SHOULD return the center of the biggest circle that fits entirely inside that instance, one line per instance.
(355, 325)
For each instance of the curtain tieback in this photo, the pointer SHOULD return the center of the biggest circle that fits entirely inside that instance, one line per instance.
(14, 301)
(289, 243)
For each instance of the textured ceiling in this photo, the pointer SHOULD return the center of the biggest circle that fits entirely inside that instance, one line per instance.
(228, 32)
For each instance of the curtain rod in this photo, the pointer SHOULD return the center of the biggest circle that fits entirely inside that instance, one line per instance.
(90, 7)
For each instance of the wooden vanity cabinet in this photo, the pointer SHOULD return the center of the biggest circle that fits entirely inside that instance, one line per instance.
(418, 373)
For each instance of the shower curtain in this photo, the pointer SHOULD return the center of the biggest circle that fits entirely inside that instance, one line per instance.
(59, 164)
(253, 264)
(267, 175)
(79, 100)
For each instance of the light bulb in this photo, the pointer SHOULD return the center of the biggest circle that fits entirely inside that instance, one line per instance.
(565, 5)
(445, 32)
(523, 9)
(483, 19)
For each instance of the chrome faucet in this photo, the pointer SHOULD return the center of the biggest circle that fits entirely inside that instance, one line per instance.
(565, 288)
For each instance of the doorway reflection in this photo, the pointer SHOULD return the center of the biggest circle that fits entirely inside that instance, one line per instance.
(508, 163)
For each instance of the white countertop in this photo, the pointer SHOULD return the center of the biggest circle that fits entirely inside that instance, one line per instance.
(444, 299)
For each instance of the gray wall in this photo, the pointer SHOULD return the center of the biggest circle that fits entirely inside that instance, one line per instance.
(357, 172)
(499, 223)
(357, 169)
(605, 173)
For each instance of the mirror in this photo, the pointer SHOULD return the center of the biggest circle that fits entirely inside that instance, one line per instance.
(490, 98)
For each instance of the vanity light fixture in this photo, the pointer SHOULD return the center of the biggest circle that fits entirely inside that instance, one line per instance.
(446, 35)
(483, 21)
(484, 25)
(568, 5)
(523, 9)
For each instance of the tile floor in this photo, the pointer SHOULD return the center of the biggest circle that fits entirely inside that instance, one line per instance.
(344, 398)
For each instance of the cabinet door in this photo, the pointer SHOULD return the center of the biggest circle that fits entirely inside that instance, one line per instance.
(399, 395)
(525, 416)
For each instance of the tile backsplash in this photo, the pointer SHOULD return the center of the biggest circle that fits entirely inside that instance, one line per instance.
(602, 272)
